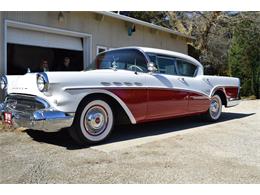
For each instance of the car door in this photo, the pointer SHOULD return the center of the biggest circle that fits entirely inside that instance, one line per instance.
(198, 100)
(165, 98)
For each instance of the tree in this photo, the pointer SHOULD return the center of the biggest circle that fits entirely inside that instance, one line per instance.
(212, 34)
(154, 17)
(244, 54)
(227, 43)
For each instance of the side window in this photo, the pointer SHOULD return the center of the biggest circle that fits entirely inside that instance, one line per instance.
(166, 65)
(186, 68)
(101, 49)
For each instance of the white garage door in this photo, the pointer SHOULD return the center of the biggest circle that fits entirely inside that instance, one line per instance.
(43, 39)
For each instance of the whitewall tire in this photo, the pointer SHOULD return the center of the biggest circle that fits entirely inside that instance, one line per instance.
(93, 122)
(215, 108)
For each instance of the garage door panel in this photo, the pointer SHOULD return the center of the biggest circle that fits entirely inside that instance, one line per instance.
(43, 39)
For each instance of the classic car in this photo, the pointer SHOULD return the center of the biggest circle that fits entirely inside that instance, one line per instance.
(125, 85)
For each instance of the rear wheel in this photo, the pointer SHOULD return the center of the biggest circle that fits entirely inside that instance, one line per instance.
(93, 122)
(215, 109)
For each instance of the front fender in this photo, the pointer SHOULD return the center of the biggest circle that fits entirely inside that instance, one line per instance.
(87, 92)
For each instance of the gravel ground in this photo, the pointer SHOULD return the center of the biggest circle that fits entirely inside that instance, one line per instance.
(185, 150)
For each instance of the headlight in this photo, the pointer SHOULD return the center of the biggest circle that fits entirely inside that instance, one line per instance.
(42, 82)
(3, 82)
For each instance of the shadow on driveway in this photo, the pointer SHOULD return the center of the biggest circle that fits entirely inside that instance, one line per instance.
(128, 132)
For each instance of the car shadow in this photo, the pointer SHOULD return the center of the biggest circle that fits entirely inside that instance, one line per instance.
(128, 132)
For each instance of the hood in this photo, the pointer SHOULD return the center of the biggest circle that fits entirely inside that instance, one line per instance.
(25, 84)
(59, 81)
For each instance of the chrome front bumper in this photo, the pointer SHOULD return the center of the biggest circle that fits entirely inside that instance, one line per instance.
(233, 102)
(45, 119)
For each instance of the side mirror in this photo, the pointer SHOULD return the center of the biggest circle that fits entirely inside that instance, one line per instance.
(151, 67)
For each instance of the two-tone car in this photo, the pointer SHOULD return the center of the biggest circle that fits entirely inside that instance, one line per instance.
(125, 85)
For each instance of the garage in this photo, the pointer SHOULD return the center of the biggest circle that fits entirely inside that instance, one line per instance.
(28, 49)
(31, 49)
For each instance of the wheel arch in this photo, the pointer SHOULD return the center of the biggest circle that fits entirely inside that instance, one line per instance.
(123, 114)
(221, 93)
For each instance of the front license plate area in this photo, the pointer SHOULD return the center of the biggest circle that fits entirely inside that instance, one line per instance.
(8, 118)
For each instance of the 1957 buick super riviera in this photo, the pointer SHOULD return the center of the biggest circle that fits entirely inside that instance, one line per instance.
(132, 84)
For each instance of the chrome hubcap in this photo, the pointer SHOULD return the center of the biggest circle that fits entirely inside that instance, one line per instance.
(96, 120)
(214, 108)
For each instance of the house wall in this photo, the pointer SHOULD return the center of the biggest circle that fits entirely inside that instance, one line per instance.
(105, 31)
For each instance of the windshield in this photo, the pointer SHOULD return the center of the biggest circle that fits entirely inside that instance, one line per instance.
(126, 59)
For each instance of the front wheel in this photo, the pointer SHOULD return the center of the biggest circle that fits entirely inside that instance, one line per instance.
(93, 122)
(215, 109)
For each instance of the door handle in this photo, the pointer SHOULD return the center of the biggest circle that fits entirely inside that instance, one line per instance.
(206, 80)
(181, 79)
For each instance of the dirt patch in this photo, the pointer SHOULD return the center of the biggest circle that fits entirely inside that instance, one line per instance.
(9, 128)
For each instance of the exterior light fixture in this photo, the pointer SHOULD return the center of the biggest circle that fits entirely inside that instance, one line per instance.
(61, 17)
(131, 29)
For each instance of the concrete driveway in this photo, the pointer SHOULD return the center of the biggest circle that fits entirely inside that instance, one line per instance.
(185, 150)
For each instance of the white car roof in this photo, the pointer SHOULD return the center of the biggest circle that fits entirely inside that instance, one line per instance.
(169, 53)
(164, 52)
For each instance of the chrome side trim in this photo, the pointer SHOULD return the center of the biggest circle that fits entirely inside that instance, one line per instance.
(133, 87)
(217, 87)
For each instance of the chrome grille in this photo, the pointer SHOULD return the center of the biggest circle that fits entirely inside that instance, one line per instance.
(24, 103)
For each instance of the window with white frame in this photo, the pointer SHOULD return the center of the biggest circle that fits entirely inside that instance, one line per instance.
(101, 49)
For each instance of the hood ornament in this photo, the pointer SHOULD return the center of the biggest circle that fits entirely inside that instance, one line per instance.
(114, 66)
